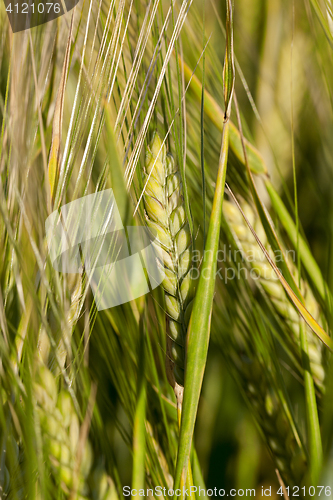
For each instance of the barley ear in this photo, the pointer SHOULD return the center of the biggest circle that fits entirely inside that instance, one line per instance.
(269, 282)
(60, 428)
(165, 215)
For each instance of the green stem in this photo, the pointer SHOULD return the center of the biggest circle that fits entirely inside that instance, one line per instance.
(199, 326)
(139, 431)
(314, 436)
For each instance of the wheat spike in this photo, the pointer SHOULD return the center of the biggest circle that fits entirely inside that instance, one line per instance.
(269, 282)
(166, 218)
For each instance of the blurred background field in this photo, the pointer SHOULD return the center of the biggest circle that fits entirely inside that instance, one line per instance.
(69, 432)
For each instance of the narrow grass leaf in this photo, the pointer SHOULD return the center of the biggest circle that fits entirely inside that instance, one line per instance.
(117, 174)
(53, 165)
(308, 261)
(202, 142)
(139, 431)
(229, 66)
(322, 19)
(199, 326)
(313, 427)
(5, 107)
(216, 115)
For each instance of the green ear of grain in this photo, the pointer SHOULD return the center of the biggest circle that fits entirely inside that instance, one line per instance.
(165, 214)
(267, 278)
(61, 432)
(296, 299)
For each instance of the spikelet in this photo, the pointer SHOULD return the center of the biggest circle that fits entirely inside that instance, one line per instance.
(270, 283)
(281, 438)
(60, 428)
(62, 332)
(101, 485)
(75, 288)
(167, 219)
